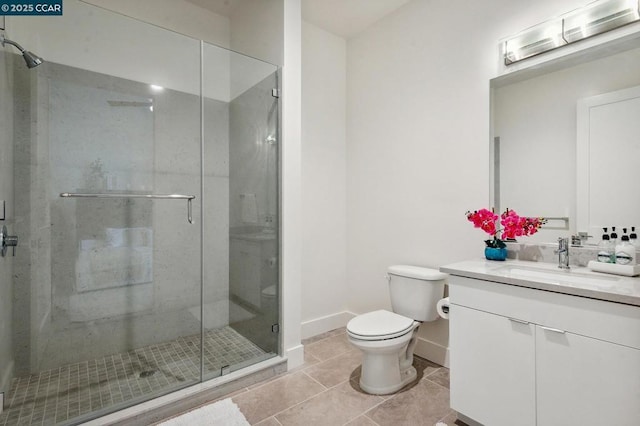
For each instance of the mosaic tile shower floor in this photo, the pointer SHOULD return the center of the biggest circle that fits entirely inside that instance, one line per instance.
(57, 395)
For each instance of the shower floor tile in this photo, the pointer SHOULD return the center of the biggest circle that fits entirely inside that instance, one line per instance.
(58, 395)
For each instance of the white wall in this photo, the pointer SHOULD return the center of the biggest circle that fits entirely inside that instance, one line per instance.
(324, 241)
(257, 29)
(291, 217)
(418, 139)
(181, 16)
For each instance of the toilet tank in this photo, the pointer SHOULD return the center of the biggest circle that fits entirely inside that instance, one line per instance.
(415, 291)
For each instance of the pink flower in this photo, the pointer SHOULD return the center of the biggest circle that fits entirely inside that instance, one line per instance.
(484, 219)
(513, 225)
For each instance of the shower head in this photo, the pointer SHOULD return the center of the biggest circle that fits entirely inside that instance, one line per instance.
(30, 58)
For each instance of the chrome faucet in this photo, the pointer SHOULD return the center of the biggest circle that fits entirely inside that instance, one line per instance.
(563, 253)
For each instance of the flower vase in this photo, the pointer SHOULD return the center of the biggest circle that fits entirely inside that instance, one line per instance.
(493, 253)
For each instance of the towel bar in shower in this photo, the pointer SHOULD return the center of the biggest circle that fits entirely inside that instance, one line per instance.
(189, 198)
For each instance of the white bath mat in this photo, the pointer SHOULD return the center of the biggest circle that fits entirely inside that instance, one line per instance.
(221, 413)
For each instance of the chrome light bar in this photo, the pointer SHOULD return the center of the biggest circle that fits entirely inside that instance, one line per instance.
(595, 18)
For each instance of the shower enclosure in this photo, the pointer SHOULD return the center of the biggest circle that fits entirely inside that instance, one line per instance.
(145, 201)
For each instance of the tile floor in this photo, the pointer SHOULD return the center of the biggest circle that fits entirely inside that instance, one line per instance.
(58, 395)
(324, 391)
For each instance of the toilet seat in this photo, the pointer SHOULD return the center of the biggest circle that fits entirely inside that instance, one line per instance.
(379, 325)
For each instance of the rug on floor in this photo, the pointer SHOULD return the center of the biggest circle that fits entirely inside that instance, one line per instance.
(223, 413)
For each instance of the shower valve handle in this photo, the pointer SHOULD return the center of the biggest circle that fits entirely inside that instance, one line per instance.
(7, 241)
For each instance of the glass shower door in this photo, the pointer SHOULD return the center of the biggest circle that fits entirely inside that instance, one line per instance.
(146, 171)
(241, 216)
(108, 273)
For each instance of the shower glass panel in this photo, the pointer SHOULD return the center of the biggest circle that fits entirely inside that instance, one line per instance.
(240, 117)
(120, 293)
(107, 285)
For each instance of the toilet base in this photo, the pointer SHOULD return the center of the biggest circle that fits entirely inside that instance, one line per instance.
(387, 365)
(406, 377)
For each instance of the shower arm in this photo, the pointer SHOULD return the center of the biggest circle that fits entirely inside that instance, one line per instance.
(32, 60)
(4, 41)
(189, 198)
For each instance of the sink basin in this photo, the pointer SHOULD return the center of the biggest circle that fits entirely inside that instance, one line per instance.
(559, 276)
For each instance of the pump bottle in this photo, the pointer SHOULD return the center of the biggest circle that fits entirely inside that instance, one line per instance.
(606, 249)
(633, 238)
(625, 251)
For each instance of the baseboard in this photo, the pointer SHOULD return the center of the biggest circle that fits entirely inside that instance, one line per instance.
(434, 352)
(295, 357)
(427, 349)
(323, 324)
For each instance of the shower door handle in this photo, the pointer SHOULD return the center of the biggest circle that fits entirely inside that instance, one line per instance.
(189, 198)
(7, 241)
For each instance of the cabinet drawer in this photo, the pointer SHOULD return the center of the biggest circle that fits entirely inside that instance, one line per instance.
(608, 321)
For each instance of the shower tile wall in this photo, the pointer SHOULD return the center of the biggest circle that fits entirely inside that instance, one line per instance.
(6, 193)
(127, 147)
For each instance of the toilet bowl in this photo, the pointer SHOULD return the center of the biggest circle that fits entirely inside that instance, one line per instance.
(269, 303)
(387, 339)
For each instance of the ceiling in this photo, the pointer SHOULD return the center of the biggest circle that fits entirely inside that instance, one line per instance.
(219, 7)
(347, 18)
(344, 18)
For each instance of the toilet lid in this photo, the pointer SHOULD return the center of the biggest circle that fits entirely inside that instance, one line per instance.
(378, 325)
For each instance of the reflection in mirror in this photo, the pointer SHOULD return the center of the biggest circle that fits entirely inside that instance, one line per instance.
(534, 137)
(607, 179)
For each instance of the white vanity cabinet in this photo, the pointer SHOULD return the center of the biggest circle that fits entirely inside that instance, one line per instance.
(585, 381)
(532, 357)
(492, 367)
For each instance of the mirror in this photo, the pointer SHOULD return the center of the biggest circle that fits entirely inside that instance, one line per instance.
(534, 129)
(610, 120)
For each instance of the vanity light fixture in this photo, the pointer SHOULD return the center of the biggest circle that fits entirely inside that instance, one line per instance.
(598, 18)
(538, 39)
(595, 18)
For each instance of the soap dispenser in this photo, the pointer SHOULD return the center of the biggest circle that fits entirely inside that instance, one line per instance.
(606, 249)
(614, 236)
(633, 238)
(625, 251)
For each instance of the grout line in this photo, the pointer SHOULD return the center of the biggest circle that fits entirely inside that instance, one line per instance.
(451, 411)
(376, 423)
(326, 387)
(299, 403)
(439, 385)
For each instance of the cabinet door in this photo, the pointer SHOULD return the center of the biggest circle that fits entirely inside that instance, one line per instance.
(492, 367)
(585, 381)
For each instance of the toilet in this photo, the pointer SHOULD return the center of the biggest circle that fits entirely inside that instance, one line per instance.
(269, 303)
(387, 339)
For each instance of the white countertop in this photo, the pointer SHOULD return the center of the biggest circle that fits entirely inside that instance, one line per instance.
(578, 281)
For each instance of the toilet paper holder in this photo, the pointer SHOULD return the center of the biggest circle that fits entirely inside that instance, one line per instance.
(443, 308)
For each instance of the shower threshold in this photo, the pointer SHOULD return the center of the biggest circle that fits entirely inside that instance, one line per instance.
(163, 407)
(78, 392)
